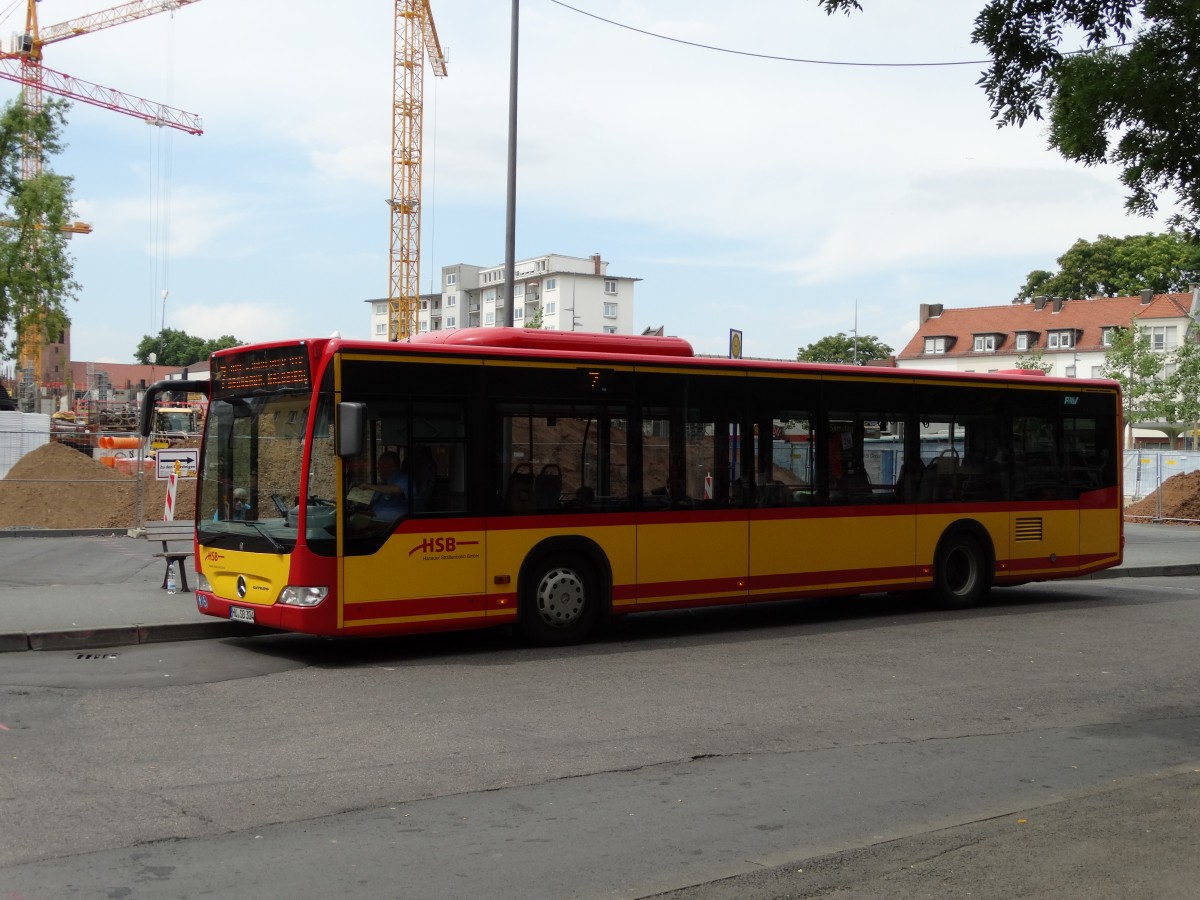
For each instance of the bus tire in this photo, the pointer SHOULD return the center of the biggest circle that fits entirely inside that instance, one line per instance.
(561, 600)
(959, 572)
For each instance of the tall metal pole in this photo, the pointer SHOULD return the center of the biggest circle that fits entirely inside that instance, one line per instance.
(510, 215)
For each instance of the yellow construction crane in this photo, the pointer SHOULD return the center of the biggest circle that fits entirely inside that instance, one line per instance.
(23, 64)
(416, 38)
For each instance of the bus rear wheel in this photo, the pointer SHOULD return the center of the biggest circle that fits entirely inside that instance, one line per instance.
(959, 576)
(561, 601)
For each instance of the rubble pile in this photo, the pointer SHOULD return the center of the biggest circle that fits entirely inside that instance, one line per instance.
(56, 486)
(1180, 495)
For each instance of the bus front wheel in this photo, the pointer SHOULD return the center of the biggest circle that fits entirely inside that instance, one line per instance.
(959, 576)
(561, 601)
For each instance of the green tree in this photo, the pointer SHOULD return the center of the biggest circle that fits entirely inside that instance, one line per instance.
(842, 348)
(172, 347)
(1119, 267)
(1131, 101)
(1034, 284)
(1132, 362)
(1034, 360)
(1183, 388)
(36, 273)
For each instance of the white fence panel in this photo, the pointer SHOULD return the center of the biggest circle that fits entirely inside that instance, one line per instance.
(20, 433)
(1145, 470)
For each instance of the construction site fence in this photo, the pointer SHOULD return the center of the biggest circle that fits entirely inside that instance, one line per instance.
(120, 451)
(117, 450)
(1146, 470)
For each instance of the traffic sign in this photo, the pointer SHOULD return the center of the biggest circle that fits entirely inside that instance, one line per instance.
(180, 462)
(735, 343)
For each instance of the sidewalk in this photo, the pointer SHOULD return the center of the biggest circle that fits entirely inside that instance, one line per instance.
(73, 590)
(82, 589)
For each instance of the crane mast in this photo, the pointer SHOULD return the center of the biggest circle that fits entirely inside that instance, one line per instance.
(415, 40)
(23, 64)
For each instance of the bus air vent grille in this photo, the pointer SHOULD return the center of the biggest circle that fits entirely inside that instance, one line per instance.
(1029, 529)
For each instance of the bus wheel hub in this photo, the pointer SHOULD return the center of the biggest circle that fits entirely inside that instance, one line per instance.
(560, 597)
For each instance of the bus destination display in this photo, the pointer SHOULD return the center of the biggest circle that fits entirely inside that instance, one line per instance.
(269, 368)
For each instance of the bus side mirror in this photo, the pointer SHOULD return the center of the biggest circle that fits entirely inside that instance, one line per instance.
(350, 420)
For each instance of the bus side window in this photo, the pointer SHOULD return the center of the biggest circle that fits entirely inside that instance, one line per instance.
(437, 458)
(559, 456)
(1037, 454)
(784, 461)
(845, 461)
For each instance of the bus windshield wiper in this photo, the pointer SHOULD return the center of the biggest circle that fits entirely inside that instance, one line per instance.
(262, 529)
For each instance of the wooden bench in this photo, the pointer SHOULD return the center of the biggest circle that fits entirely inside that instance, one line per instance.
(177, 545)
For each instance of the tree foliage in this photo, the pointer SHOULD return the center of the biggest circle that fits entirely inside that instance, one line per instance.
(1182, 403)
(36, 272)
(1131, 99)
(1035, 361)
(1119, 267)
(172, 347)
(1131, 361)
(842, 348)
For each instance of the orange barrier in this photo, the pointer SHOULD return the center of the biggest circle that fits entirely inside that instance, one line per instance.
(120, 443)
(129, 466)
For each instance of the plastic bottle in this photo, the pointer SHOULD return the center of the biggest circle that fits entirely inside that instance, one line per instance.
(170, 581)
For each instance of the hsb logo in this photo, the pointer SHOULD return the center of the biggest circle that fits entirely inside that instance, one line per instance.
(444, 544)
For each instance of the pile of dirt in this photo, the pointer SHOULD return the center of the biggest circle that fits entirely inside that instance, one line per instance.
(56, 486)
(1180, 499)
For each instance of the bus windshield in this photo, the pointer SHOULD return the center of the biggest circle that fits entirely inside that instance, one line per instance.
(249, 488)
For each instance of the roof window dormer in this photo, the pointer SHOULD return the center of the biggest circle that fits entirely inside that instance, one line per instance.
(1064, 339)
(937, 344)
(988, 342)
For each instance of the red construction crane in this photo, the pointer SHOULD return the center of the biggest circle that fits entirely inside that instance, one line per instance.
(415, 39)
(23, 64)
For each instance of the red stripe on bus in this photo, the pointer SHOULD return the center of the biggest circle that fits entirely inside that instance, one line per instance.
(415, 607)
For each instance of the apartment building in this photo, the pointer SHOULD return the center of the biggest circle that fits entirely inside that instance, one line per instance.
(1072, 335)
(559, 293)
(379, 315)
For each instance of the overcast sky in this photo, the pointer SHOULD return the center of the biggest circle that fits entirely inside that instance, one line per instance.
(771, 196)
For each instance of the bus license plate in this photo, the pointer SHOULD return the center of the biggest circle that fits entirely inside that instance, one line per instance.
(241, 614)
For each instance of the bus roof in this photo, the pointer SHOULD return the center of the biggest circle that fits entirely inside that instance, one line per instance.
(540, 344)
(559, 341)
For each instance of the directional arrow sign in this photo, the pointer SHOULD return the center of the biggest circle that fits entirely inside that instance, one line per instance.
(180, 462)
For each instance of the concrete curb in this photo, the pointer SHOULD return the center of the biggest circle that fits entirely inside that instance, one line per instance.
(1162, 571)
(63, 532)
(124, 635)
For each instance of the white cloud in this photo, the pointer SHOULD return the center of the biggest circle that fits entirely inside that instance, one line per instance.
(769, 194)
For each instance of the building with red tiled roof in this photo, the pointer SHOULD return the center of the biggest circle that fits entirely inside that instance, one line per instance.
(1072, 335)
(65, 384)
(123, 377)
(124, 382)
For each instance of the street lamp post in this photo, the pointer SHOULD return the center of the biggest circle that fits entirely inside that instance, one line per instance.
(510, 214)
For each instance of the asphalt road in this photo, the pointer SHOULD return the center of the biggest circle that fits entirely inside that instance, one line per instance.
(1043, 745)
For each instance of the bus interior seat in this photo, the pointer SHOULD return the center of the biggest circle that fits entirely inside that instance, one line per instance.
(547, 487)
(908, 482)
(737, 492)
(520, 489)
(938, 479)
(775, 493)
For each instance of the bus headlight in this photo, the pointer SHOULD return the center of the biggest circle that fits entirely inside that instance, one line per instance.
(302, 596)
(202, 583)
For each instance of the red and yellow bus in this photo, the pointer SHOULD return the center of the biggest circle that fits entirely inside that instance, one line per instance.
(552, 480)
